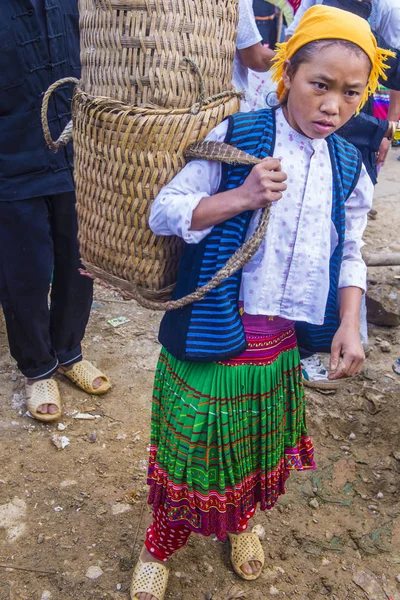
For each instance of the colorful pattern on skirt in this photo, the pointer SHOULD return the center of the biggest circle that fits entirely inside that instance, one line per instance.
(225, 436)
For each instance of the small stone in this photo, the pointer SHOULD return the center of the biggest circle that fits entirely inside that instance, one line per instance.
(352, 436)
(370, 374)
(345, 448)
(119, 508)
(93, 437)
(273, 591)
(372, 507)
(13, 378)
(118, 587)
(344, 568)
(398, 578)
(60, 441)
(379, 495)
(121, 436)
(325, 562)
(259, 531)
(40, 538)
(385, 346)
(329, 535)
(280, 570)
(93, 572)
(314, 503)
(210, 569)
(68, 482)
(58, 508)
(46, 595)
(61, 427)
(178, 574)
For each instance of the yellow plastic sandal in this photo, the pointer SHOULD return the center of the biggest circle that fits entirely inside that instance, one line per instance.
(44, 391)
(246, 547)
(83, 374)
(149, 578)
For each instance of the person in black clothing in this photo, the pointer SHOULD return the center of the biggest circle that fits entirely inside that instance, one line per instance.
(267, 22)
(39, 43)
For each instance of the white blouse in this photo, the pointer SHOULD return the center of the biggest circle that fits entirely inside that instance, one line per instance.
(289, 274)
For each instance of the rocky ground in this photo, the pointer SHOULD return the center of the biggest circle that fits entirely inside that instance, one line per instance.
(72, 519)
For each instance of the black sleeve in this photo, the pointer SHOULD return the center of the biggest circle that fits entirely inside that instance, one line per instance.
(364, 131)
(393, 72)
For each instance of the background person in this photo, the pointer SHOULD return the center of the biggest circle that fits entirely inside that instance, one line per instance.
(39, 44)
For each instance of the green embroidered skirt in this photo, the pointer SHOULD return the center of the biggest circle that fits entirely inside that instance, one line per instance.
(224, 436)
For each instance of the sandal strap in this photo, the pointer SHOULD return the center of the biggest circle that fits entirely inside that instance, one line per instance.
(44, 391)
(83, 373)
(245, 547)
(149, 578)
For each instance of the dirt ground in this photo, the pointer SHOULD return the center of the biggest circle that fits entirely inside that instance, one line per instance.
(75, 518)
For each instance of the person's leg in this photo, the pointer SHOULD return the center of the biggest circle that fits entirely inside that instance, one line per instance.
(26, 262)
(71, 293)
(161, 542)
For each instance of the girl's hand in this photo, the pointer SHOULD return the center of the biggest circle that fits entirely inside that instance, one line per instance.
(347, 354)
(264, 184)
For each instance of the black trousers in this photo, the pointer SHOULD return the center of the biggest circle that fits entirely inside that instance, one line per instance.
(38, 237)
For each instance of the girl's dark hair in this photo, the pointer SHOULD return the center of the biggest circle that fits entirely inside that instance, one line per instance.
(306, 54)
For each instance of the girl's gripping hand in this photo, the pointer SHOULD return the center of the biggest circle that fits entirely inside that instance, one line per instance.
(347, 354)
(264, 184)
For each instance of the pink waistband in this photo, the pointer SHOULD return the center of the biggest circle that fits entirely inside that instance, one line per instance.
(263, 324)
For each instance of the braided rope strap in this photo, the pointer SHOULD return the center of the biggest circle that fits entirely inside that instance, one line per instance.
(66, 135)
(219, 152)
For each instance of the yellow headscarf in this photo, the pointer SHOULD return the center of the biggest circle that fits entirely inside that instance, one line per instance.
(327, 23)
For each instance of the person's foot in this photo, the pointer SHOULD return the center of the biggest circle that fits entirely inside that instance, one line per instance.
(145, 556)
(43, 409)
(96, 382)
(315, 375)
(251, 567)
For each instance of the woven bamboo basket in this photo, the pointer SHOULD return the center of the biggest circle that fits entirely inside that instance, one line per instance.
(131, 50)
(123, 156)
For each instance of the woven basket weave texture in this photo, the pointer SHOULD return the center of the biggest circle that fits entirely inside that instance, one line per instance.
(132, 50)
(123, 156)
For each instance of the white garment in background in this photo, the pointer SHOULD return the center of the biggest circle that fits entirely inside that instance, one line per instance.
(289, 275)
(386, 19)
(247, 36)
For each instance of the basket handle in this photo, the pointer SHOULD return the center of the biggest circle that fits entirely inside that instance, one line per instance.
(219, 152)
(66, 135)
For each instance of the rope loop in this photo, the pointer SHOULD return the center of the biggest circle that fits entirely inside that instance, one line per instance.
(66, 135)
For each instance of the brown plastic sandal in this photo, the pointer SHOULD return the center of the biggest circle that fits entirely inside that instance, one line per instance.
(44, 391)
(149, 578)
(83, 374)
(246, 547)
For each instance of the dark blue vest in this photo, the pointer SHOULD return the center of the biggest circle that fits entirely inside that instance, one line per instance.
(211, 329)
(29, 64)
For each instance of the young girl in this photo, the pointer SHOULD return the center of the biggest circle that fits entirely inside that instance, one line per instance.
(228, 419)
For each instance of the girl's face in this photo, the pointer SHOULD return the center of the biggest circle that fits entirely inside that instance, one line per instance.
(325, 91)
